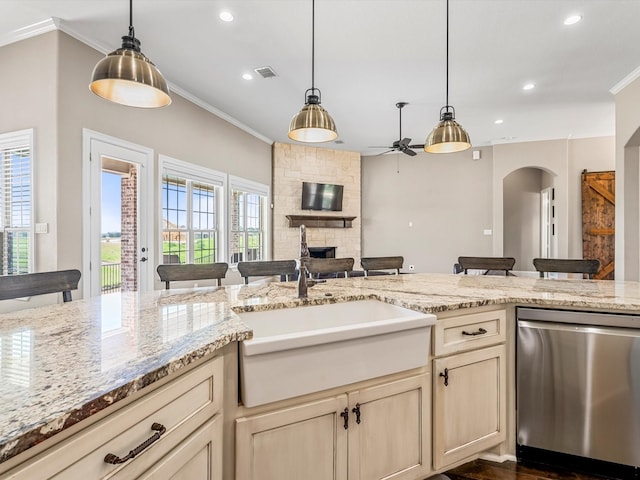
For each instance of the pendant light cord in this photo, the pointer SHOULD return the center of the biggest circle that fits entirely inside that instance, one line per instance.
(313, 44)
(132, 33)
(447, 89)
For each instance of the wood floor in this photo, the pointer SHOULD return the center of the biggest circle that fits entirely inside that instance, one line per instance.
(484, 470)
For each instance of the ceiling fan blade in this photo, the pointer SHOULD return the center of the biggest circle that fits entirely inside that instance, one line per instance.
(416, 146)
(380, 146)
(409, 152)
(388, 151)
(404, 143)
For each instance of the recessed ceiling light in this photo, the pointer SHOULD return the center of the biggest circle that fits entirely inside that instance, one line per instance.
(247, 76)
(226, 16)
(572, 20)
(529, 86)
(499, 121)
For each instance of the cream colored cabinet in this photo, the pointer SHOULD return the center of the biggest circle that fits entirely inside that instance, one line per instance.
(198, 457)
(185, 411)
(469, 388)
(392, 440)
(377, 432)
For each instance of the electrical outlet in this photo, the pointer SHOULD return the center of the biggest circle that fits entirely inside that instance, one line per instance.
(411, 268)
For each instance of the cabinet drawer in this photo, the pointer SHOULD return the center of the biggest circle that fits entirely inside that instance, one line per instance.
(468, 332)
(181, 406)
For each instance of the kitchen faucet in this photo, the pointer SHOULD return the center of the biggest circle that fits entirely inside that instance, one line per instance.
(303, 282)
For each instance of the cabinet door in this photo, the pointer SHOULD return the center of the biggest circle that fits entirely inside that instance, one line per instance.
(307, 442)
(199, 456)
(392, 440)
(469, 413)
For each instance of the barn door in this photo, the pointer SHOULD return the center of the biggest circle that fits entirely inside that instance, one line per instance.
(598, 220)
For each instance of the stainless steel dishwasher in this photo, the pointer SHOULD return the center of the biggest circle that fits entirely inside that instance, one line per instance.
(578, 388)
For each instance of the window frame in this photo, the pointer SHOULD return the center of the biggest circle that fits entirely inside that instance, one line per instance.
(12, 140)
(194, 173)
(252, 187)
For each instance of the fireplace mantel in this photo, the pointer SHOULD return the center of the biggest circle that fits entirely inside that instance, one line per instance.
(320, 221)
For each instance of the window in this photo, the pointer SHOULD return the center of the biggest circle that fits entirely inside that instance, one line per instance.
(16, 202)
(248, 220)
(191, 220)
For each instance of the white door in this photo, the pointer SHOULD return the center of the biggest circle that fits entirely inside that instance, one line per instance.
(545, 223)
(103, 156)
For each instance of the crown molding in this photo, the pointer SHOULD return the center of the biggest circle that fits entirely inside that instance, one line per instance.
(625, 82)
(29, 31)
(59, 24)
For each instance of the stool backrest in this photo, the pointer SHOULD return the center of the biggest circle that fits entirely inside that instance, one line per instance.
(586, 266)
(192, 271)
(266, 268)
(330, 265)
(488, 264)
(29, 284)
(381, 263)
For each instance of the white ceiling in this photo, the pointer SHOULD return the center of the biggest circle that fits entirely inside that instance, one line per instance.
(371, 54)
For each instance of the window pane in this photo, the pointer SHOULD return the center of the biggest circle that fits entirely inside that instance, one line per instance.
(246, 236)
(15, 205)
(204, 247)
(189, 231)
(203, 198)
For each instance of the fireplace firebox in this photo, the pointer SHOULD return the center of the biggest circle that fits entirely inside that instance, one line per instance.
(322, 252)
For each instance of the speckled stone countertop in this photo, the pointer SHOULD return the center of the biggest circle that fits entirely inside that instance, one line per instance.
(60, 364)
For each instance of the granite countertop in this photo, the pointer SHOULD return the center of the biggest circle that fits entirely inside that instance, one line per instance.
(62, 363)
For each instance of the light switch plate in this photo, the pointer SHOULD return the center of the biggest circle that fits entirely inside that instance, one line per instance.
(42, 228)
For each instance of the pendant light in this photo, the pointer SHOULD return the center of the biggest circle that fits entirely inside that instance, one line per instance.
(312, 124)
(127, 77)
(448, 136)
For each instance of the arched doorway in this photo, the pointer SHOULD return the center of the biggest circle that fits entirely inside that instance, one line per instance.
(528, 216)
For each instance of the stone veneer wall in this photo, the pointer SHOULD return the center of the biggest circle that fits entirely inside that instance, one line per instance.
(294, 164)
(129, 231)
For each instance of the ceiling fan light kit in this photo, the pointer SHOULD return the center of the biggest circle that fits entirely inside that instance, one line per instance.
(126, 76)
(448, 136)
(312, 124)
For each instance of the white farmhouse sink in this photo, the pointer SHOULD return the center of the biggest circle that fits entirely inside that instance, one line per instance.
(307, 349)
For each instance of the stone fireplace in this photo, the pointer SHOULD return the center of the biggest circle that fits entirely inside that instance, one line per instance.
(294, 164)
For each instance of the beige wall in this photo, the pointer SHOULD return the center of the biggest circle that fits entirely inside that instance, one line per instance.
(627, 182)
(294, 164)
(522, 216)
(28, 97)
(51, 94)
(451, 199)
(593, 155)
(429, 208)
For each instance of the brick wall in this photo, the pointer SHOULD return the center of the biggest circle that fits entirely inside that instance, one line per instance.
(294, 164)
(129, 221)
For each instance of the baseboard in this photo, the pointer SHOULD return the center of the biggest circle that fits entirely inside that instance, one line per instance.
(492, 457)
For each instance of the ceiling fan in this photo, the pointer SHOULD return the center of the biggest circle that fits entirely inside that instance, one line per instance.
(402, 144)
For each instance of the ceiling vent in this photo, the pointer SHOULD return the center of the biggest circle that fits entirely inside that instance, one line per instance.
(265, 72)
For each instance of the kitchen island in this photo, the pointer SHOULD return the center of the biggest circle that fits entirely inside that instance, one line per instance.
(63, 364)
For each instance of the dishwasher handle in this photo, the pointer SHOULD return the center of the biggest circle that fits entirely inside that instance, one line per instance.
(579, 318)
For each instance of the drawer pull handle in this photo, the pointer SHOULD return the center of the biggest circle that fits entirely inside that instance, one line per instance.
(481, 331)
(157, 427)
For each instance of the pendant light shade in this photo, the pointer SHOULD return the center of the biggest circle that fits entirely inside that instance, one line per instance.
(126, 76)
(312, 124)
(447, 136)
